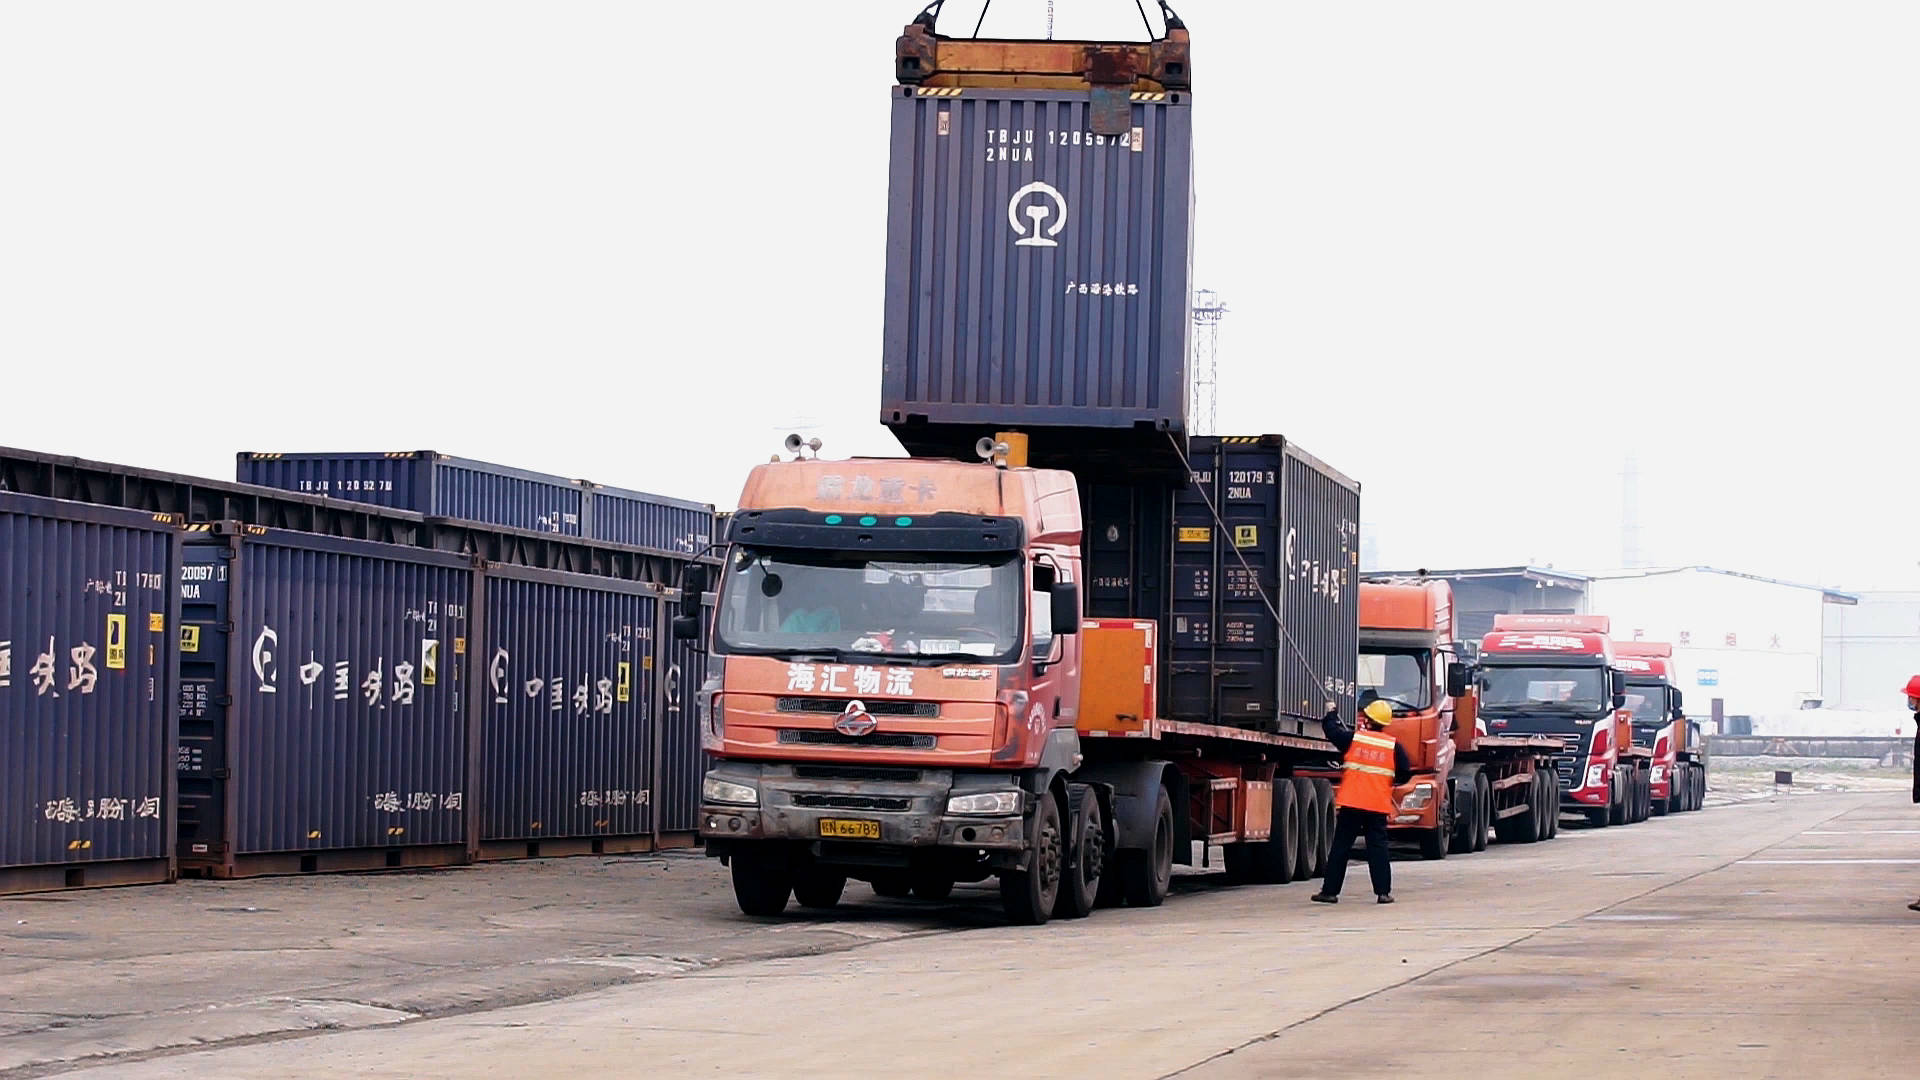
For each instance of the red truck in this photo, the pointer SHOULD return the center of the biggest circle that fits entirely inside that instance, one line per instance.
(1465, 780)
(1679, 771)
(1557, 675)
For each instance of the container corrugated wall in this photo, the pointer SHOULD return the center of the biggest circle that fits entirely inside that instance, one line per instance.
(429, 483)
(683, 764)
(1285, 539)
(636, 518)
(322, 698)
(86, 694)
(567, 742)
(1037, 274)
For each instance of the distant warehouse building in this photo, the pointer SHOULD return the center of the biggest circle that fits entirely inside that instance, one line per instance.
(1757, 644)
(1872, 648)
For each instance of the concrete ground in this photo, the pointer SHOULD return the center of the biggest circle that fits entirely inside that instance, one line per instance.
(1763, 937)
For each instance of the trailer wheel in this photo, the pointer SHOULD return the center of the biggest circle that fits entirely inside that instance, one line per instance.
(1028, 895)
(1146, 875)
(1553, 801)
(1323, 795)
(1307, 862)
(762, 880)
(1483, 810)
(816, 888)
(1080, 881)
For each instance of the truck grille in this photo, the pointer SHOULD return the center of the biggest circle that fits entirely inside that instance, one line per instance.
(880, 773)
(812, 801)
(835, 706)
(808, 737)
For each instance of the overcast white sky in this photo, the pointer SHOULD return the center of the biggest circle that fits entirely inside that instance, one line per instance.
(1473, 251)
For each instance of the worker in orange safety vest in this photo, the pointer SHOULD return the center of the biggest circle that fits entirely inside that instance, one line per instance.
(1373, 763)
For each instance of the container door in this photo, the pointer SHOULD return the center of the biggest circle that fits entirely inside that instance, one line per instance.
(201, 756)
(1224, 657)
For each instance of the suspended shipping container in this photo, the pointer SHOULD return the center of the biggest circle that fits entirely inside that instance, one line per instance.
(322, 721)
(430, 483)
(568, 739)
(86, 692)
(1037, 272)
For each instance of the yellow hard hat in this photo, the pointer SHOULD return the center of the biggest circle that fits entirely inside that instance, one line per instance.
(1379, 712)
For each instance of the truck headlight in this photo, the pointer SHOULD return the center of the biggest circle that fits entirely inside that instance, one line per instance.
(1418, 798)
(986, 803)
(1659, 774)
(714, 789)
(1595, 774)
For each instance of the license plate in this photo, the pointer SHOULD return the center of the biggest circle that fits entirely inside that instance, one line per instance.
(849, 829)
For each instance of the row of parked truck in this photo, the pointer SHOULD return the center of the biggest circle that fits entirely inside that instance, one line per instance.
(1068, 644)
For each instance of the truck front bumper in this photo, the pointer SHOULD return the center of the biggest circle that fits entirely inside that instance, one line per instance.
(828, 807)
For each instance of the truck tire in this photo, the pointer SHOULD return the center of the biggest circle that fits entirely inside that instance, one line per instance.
(1080, 878)
(817, 889)
(1553, 800)
(1642, 795)
(1323, 794)
(1462, 797)
(1483, 806)
(1145, 876)
(762, 880)
(1617, 799)
(1270, 861)
(1307, 862)
(1699, 786)
(1028, 895)
(1539, 806)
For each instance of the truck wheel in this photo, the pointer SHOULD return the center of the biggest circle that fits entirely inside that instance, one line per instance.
(762, 881)
(1028, 895)
(1553, 801)
(816, 888)
(1461, 842)
(1699, 786)
(1539, 806)
(893, 886)
(1146, 875)
(1271, 861)
(1080, 881)
(1323, 795)
(1617, 799)
(1483, 810)
(1642, 795)
(1306, 855)
(1686, 790)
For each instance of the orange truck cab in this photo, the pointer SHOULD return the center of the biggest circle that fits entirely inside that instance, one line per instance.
(1465, 779)
(1678, 775)
(1557, 675)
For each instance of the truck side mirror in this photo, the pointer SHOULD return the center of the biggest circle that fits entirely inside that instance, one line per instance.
(686, 627)
(1458, 679)
(1619, 701)
(1065, 607)
(1678, 698)
(693, 583)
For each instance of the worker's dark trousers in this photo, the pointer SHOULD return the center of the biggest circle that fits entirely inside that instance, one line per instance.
(1349, 824)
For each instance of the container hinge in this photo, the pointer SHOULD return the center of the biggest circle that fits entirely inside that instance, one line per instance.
(223, 774)
(224, 701)
(223, 628)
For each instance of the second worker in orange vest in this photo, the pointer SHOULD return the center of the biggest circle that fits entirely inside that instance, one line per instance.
(1373, 764)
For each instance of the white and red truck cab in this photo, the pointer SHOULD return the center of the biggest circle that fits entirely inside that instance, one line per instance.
(1678, 775)
(1557, 675)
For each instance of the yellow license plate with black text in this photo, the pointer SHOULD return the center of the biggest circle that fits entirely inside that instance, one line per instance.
(849, 829)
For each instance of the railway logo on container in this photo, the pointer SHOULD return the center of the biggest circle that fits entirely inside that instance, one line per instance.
(855, 721)
(1039, 213)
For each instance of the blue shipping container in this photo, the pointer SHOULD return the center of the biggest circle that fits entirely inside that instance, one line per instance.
(567, 743)
(430, 483)
(321, 699)
(85, 694)
(638, 519)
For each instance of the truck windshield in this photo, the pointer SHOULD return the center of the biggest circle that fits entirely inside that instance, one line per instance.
(1649, 704)
(786, 602)
(1522, 686)
(1398, 678)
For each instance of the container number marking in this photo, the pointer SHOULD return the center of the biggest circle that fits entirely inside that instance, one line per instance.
(1200, 535)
